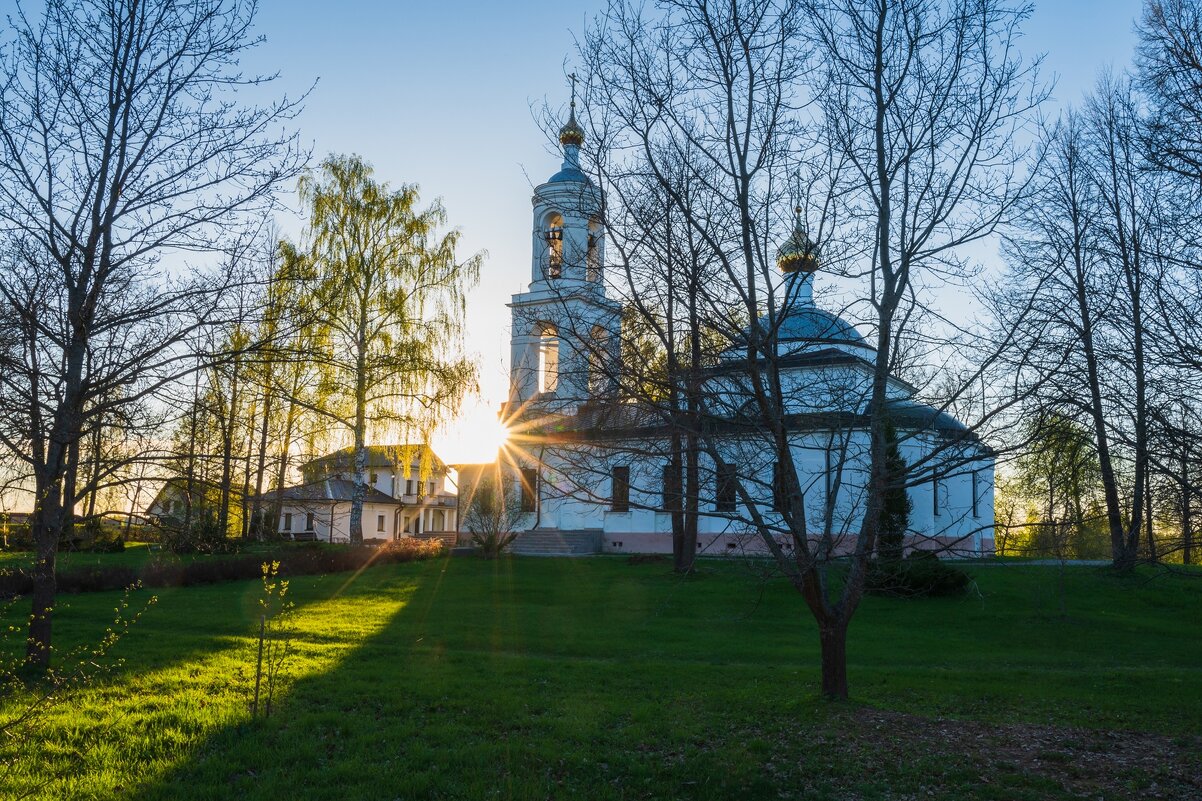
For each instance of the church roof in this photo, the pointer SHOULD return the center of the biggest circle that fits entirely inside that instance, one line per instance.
(569, 175)
(811, 324)
(911, 415)
(330, 490)
(377, 456)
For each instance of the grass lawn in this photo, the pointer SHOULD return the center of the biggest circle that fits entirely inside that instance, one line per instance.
(596, 678)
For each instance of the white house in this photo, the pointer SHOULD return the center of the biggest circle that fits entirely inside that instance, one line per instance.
(399, 502)
(592, 467)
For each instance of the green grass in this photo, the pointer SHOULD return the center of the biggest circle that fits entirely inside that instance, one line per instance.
(594, 678)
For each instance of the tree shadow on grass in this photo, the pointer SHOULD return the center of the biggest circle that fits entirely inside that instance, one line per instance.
(508, 679)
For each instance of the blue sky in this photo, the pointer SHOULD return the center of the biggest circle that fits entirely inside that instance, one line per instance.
(440, 93)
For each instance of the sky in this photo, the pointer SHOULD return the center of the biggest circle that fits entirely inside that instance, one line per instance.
(443, 94)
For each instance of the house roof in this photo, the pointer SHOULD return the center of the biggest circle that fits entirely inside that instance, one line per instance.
(328, 490)
(377, 456)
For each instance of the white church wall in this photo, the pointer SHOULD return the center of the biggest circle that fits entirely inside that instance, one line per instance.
(576, 487)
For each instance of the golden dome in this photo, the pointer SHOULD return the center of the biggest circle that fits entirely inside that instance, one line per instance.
(571, 133)
(799, 254)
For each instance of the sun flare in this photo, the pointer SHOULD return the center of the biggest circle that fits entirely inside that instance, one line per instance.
(475, 436)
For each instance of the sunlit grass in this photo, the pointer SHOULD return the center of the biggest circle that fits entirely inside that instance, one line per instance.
(598, 679)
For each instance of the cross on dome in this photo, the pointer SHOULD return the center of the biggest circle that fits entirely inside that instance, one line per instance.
(571, 134)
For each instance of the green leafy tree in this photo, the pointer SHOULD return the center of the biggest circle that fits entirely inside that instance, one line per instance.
(388, 301)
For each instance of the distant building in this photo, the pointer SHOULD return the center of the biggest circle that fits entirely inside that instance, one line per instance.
(173, 500)
(398, 503)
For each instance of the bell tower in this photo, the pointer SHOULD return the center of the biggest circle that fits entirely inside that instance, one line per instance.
(564, 329)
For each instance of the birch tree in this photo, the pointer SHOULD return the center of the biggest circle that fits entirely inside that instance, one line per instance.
(388, 297)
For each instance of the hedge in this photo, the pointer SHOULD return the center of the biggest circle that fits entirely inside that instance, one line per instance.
(298, 560)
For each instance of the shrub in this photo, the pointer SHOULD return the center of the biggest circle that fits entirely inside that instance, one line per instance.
(409, 549)
(18, 537)
(921, 575)
(492, 544)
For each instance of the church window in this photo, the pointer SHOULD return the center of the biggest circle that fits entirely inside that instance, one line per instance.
(529, 500)
(935, 495)
(620, 489)
(548, 359)
(726, 489)
(553, 233)
(976, 512)
(672, 488)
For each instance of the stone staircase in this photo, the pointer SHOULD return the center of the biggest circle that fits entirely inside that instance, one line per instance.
(553, 542)
(449, 538)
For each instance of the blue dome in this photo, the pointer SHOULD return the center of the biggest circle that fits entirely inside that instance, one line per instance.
(811, 324)
(569, 175)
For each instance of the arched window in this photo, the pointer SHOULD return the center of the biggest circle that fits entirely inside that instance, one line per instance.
(593, 262)
(548, 359)
(553, 233)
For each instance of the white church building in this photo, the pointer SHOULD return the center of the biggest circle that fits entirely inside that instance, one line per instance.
(593, 467)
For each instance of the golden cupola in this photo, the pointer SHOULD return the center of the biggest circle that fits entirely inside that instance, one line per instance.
(799, 254)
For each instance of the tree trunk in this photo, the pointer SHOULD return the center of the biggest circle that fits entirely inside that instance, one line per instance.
(1187, 533)
(261, 467)
(359, 493)
(44, 526)
(277, 505)
(832, 638)
(1148, 523)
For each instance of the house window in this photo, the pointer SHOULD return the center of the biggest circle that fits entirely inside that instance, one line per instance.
(409, 486)
(379, 522)
(725, 491)
(287, 521)
(975, 493)
(529, 489)
(375, 477)
(431, 487)
(672, 489)
(619, 490)
(309, 521)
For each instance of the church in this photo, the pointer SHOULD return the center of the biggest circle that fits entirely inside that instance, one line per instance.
(594, 469)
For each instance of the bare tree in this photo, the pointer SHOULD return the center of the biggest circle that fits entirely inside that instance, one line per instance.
(1170, 71)
(491, 508)
(1098, 245)
(123, 142)
(891, 127)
